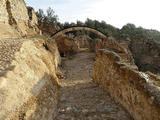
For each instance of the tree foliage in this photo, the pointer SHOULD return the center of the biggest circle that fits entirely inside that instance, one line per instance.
(49, 17)
(102, 26)
(128, 30)
(133, 32)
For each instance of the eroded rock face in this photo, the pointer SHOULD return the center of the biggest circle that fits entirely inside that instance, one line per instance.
(3, 12)
(111, 44)
(33, 21)
(32, 16)
(14, 15)
(146, 53)
(83, 41)
(136, 91)
(66, 45)
(28, 81)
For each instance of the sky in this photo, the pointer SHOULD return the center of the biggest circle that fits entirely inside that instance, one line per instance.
(144, 13)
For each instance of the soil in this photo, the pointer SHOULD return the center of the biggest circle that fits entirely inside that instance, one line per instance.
(82, 99)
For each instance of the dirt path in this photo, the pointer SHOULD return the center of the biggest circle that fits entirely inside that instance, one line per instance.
(80, 98)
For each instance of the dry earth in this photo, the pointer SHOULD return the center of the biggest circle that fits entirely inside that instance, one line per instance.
(81, 99)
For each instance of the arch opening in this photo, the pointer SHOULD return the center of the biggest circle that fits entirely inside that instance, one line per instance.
(103, 43)
(66, 30)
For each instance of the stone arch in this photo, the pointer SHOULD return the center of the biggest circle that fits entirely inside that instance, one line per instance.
(107, 43)
(61, 32)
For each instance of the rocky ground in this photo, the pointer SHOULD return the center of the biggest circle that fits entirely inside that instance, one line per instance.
(80, 98)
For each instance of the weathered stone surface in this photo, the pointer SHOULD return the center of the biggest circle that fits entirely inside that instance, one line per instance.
(103, 43)
(66, 45)
(8, 31)
(28, 81)
(146, 53)
(55, 35)
(33, 22)
(95, 45)
(138, 92)
(18, 15)
(3, 12)
(83, 41)
(14, 15)
(111, 44)
(32, 16)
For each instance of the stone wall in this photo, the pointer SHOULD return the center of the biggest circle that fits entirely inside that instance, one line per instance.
(28, 81)
(14, 14)
(19, 11)
(6, 30)
(3, 12)
(83, 41)
(66, 45)
(137, 92)
(33, 22)
(32, 16)
(112, 45)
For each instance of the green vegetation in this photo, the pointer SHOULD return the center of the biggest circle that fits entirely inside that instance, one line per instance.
(132, 32)
(128, 30)
(102, 26)
(49, 17)
(47, 20)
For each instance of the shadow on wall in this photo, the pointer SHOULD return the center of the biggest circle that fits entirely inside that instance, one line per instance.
(11, 19)
(6, 70)
(43, 104)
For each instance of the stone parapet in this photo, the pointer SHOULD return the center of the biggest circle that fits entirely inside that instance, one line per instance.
(136, 91)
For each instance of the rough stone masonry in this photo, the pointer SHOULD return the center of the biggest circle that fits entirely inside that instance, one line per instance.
(14, 19)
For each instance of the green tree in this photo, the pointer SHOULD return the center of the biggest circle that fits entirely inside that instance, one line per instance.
(89, 23)
(79, 23)
(51, 17)
(40, 15)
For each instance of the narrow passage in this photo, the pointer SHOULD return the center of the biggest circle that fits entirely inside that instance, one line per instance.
(80, 98)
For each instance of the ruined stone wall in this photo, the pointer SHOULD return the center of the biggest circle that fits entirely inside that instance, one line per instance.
(137, 92)
(32, 16)
(66, 45)
(19, 11)
(19, 14)
(28, 81)
(6, 30)
(33, 22)
(14, 14)
(83, 41)
(112, 45)
(3, 12)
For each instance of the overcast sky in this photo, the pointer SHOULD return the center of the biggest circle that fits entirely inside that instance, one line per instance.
(145, 13)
